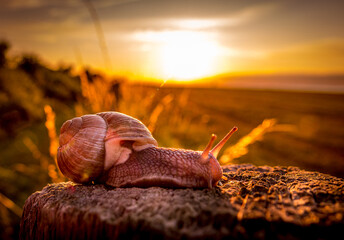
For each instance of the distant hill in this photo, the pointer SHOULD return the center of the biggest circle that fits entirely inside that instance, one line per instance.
(314, 83)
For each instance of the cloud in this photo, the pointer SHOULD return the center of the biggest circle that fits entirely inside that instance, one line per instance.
(24, 3)
(110, 3)
(320, 49)
(129, 15)
(320, 56)
(36, 4)
(180, 9)
(212, 23)
(251, 34)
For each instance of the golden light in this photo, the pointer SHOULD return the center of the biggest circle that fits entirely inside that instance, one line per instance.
(182, 55)
(188, 55)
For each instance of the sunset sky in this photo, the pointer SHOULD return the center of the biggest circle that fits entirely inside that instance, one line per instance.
(181, 39)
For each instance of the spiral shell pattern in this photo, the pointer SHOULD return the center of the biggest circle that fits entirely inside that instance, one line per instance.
(85, 143)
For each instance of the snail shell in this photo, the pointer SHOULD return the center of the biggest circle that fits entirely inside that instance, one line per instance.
(119, 150)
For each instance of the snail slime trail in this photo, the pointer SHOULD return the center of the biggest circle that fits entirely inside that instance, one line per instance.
(118, 150)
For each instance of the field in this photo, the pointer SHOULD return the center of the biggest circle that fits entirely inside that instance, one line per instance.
(275, 128)
(308, 131)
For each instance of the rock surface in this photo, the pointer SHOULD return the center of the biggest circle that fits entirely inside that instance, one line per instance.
(249, 203)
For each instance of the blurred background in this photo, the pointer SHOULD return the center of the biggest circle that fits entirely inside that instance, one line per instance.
(186, 69)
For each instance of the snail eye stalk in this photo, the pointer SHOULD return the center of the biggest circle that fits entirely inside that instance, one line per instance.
(215, 151)
(205, 153)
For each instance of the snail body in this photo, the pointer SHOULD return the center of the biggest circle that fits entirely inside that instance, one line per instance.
(118, 150)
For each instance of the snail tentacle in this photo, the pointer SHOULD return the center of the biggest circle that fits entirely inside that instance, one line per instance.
(215, 151)
(205, 154)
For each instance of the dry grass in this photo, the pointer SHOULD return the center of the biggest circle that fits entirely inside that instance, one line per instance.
(153, 119)
(53, 171)
(172, 117)
(47, 163)
(274, 129)
(97, 94)
(50, 125)
(9, 204)
(257, 134)
(36, 153)
(241, 147)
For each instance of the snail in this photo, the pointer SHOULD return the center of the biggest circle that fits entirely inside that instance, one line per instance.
(119, 150)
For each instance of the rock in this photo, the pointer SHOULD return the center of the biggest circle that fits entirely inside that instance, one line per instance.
(249, 203)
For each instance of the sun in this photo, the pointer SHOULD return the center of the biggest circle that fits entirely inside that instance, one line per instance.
(188, 55)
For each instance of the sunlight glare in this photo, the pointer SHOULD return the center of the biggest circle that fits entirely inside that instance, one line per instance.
(188, 55)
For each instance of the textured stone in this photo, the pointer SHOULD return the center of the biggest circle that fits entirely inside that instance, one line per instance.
(249, 203)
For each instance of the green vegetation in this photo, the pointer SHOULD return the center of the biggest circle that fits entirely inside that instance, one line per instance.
(308, 133)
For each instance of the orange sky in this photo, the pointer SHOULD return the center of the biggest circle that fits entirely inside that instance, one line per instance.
(181, 39)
